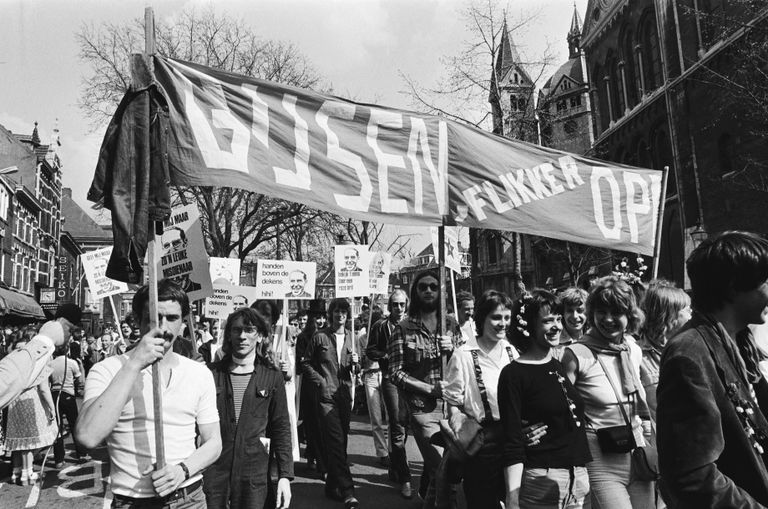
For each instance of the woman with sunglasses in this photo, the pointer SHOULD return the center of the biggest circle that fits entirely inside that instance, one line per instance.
(549, 472)
(253, 411)
(605, 369)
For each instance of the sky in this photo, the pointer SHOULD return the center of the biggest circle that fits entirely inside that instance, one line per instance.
(361, 47)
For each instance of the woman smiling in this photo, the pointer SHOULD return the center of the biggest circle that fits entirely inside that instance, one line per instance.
(605, 370)
(549, 472)
(472, 380)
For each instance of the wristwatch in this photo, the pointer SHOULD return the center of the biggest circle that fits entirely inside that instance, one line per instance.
(185, 469)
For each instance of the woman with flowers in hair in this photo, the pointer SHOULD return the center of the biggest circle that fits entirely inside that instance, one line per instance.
(604, 367)
(550, 471)
(470, 391)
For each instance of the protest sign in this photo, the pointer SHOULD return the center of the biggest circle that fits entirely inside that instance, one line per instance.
(452, 253)
(227, 299)
(183, 257)
(285, 279)
(378, 271)
(225, 271)
(351, 268)
(95, 268)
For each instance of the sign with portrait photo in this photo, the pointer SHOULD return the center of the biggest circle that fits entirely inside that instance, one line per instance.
(379, 268)
(351, 267)
(183, 257)
(285, 279)
(227, 299)
(224, 271)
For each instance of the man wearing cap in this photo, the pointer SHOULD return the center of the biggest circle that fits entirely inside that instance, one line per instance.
(118, 408)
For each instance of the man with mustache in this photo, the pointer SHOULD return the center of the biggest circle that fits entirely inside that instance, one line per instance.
(118, 408)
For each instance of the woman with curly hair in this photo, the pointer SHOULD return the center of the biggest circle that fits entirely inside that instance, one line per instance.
(250, 396)
(604, 367)
(667, 308)
(550, 471)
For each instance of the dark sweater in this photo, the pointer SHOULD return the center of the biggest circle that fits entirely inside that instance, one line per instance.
(528, 392)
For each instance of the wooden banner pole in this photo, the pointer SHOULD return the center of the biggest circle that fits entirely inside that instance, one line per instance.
(441, 274)
(453, 295)
(660, 223)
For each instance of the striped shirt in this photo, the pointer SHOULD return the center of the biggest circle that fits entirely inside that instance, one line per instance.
(240, 383)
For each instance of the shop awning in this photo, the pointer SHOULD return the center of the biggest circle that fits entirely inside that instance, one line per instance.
(18, 305)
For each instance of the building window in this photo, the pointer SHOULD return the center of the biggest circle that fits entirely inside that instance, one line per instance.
(630, 80)
(4, 201)
(561, 106)
(521, 104)
(513, 102)
(650, 54)
(575, 101)
(491, 245)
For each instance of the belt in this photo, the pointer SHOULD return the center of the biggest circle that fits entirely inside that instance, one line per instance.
(179, 493)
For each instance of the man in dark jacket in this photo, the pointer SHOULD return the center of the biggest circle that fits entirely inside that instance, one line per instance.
(712, 431)
(250, 396)
(326, 363)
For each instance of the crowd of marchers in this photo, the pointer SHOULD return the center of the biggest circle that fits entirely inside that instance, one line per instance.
(620, 395)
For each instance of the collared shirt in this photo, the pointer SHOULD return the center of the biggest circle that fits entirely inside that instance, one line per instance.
(414, 352)
(462, 390)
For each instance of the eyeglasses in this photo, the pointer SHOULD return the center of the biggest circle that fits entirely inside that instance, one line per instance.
(424, 286)
(248, 330)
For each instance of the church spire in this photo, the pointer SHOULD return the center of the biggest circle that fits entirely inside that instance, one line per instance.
(574, 34)
(35, 136)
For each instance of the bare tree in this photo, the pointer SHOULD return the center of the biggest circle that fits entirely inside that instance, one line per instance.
(235, 221)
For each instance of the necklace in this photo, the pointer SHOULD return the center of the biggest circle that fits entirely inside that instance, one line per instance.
(571, 405)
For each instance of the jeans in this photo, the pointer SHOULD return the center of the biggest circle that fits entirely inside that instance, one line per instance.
(397, 412)
(372, 384)
(423, 426)
(193, 500)
(611, 483)
(554, 488)
(67, 407)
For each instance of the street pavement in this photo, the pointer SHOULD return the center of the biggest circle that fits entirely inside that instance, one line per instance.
(86, 485)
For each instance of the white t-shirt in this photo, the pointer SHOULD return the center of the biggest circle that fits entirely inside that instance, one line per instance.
(189, 397)
(339, 345)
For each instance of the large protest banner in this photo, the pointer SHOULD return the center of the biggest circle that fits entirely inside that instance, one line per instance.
(378, 164)
(95, 268)
(285, 279)
(183, 257)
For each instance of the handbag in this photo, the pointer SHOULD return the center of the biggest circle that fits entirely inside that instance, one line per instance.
(468, 437)
(644, 459)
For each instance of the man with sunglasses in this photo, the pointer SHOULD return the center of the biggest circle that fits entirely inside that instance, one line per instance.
(397, 410)
(415, 352)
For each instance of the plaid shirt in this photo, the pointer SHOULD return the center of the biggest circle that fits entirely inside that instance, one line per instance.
(414, 354)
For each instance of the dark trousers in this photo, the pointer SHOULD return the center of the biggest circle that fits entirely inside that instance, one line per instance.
(397, 411)
(484, 484)
(309, 410)
(334, 418)
(67, 407)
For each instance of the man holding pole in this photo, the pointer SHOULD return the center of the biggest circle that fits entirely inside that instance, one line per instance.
(397, 411)
(118, 407)
(415, 366)
(327, 365)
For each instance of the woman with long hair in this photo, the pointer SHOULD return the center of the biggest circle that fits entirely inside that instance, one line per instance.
(470, 391)
(31, 420)
(604, 367)
(250, 396)
(667, 308)
(549, 472)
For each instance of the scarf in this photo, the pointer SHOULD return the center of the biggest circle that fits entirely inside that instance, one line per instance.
(742, 351)
(629, 381)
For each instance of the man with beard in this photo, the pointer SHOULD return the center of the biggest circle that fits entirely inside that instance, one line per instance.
(118, 408)
(397, 410)
(327, 365)
(415, 366)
